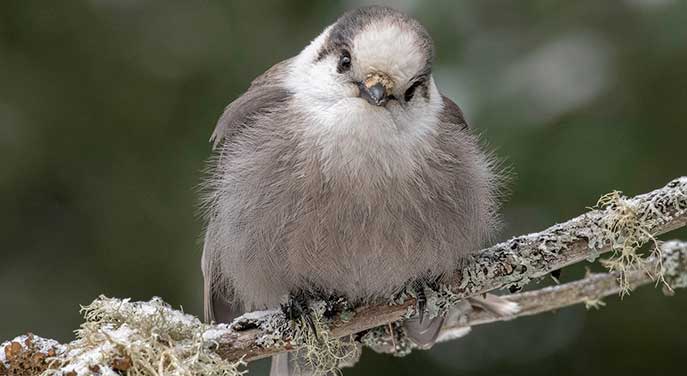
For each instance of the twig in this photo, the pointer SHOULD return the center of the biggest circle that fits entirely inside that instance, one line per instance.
(590, 289)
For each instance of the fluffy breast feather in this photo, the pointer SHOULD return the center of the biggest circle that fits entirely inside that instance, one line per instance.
(281, 223)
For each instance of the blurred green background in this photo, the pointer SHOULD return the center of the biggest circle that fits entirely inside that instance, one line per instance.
(106, 107)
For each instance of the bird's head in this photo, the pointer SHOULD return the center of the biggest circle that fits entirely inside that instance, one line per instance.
(372, 64)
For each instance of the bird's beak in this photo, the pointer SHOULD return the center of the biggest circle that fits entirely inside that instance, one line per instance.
(376, 88)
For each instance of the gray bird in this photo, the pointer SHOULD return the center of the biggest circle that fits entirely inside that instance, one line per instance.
(344, 170)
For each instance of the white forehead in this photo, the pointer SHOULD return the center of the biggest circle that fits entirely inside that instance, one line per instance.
(388, 47)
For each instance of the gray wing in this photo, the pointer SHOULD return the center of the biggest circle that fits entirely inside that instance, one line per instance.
(265, 93)
(452, 114)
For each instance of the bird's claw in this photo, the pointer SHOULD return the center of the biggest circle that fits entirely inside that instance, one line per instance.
(420, 299)
(297, 308)
(514, 289)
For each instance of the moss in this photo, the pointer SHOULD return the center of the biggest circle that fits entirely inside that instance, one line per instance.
(323, 354)
(141, 338)
(627, 229)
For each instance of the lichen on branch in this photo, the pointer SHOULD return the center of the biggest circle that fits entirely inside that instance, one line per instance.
(136, 338)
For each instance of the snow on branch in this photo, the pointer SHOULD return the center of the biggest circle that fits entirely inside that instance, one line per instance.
(150, 338)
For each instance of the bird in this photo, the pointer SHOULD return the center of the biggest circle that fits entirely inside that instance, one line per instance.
(344, 170)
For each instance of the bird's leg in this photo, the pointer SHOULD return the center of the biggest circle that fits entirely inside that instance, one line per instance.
(420, 299)
(297, 307)
(556, 275)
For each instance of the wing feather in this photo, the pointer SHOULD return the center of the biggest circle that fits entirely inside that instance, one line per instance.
(265, 93)
(452, 114)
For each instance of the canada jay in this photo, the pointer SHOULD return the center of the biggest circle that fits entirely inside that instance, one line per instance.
(344, 171)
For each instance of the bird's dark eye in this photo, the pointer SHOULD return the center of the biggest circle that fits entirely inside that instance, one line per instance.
(344, 62)
(408, 95)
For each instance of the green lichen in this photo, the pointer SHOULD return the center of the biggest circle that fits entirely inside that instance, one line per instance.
(347, 316)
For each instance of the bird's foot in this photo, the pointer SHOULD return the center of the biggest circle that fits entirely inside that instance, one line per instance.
(420, 288)
(420, 299)
(297, 307)
(302, 305)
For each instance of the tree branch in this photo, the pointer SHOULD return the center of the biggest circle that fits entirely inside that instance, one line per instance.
(620, 225)
(590, 290)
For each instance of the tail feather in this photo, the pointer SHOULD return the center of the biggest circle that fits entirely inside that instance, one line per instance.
(424, 333)
(286, 365)
(495, 304)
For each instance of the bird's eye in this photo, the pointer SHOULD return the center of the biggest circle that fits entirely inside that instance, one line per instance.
(344, 62)
(408, 95)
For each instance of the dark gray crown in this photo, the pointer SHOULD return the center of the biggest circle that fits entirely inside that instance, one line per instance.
(352, 22)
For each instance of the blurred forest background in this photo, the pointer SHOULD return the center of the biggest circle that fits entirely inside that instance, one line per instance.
(106, 107)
